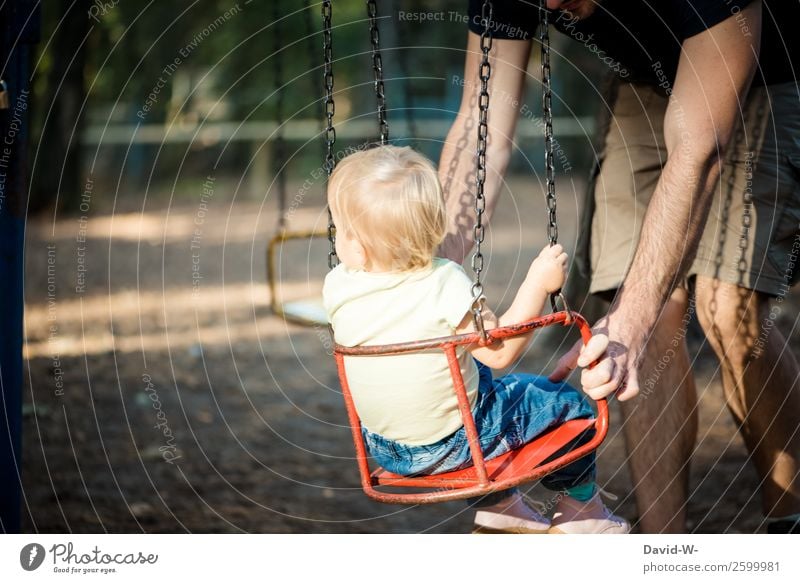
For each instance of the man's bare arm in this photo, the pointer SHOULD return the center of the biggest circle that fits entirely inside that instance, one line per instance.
(714, 73)
(509, 59)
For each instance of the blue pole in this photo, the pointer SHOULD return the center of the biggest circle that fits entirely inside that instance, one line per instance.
(18, 32)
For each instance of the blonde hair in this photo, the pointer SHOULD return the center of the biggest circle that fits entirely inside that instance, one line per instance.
(389, 198)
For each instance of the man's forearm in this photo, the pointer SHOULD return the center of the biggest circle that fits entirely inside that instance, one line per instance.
(670, 235)
(715, 70)
(457, 166)
(457, 171)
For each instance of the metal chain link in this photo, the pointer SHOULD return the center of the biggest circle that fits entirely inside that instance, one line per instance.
(330, 108)
(480, 176)
(747, 196)
(279, 159)
(547, 114)
(731, 168)
(377, 69)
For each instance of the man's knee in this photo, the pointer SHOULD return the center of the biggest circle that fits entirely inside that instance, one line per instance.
(730, 317)
(674, 314)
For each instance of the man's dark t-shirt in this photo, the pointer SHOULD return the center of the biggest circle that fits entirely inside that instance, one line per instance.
(640, 40)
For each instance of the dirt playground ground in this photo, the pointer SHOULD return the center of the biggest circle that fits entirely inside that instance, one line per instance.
(162, 395)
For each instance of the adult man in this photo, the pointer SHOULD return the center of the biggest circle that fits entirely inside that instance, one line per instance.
(685, 68)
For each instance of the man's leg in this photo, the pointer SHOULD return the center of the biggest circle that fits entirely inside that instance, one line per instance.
(661, 424)
(760, 377)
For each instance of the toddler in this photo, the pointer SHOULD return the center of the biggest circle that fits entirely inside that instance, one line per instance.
(390, 217)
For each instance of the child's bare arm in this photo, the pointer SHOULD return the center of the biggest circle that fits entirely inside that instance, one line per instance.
(545, 276)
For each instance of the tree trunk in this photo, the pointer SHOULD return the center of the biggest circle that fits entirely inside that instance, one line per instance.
(57, 175)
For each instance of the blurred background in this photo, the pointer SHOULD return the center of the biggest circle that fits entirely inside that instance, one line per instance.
(144, 98)
(161, 392)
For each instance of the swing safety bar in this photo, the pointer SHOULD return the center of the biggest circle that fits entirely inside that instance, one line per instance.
(531, 462)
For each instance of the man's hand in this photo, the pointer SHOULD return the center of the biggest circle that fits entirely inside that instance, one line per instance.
(549, 269)
(616, 361)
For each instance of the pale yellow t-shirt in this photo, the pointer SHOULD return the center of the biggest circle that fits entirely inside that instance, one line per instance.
(408, 398)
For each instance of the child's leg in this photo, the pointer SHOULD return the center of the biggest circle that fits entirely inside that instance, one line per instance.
(578, 478)
(408, 460)
(512, 411)
(507, 512)
(590, 517)
(579, 509)
(520, 407)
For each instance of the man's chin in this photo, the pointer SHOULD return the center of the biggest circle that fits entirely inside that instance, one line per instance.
(579, 9)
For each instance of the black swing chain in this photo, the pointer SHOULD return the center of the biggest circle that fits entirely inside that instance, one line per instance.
(485, 73)
(330, 108)
(747, 196)
(279, 160)
(547, 115)
(377, 69)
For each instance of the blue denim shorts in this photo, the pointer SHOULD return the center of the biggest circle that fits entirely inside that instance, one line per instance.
(510, 411)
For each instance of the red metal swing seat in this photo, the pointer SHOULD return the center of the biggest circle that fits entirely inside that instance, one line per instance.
(528, 463)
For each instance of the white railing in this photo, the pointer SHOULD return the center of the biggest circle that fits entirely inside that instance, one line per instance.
(300, 130)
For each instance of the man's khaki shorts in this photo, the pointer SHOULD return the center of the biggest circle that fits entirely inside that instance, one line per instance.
(752, 237)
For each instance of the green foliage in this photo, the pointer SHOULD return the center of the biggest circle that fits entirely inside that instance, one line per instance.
(155, 62)
(234, 60)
